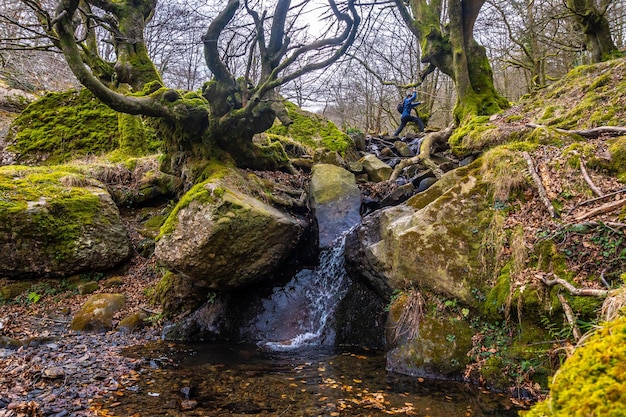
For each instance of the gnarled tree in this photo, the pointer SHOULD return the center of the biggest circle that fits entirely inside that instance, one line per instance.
(229, 111)
(449, 45)
(591, 16)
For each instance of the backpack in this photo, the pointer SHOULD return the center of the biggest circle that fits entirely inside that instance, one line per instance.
(400, 107)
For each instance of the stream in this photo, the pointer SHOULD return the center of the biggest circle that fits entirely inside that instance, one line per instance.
(242, 380)
(293, 368)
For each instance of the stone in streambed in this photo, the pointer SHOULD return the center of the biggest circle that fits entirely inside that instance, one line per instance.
(97, 312)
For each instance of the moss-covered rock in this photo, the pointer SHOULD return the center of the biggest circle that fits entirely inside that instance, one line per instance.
(312, 130)
(60, 127)
(592, 382)
(55, 222)
(97, 312)
(428, 345)
(10, 291)
(133, 322)
(223, 238)
(432, 241)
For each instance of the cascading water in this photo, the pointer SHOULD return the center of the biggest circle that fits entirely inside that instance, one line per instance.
(299, 315)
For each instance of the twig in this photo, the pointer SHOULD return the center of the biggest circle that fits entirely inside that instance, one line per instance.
(582, 292)
(569, 315)
(593, 200)
(602, 209)
(542, 191)
(147, 310)
(587, 178)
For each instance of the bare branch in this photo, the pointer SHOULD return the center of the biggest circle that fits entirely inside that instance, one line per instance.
(542, 191)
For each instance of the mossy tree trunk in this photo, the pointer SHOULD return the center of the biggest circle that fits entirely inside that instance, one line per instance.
(595, 26)
(451, 47)
(228, 112)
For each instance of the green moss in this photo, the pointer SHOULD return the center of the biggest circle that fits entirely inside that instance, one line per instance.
(617, 149)
(592, 382)
(10, 291)
(495, 302)
(203, 192)
(468, 137)
(62, 126)
(505, 171)
(312, 130)
(575, 151)
(50, 203)
(584, 98)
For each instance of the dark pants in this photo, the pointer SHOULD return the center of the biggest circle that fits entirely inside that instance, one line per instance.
(406, 119)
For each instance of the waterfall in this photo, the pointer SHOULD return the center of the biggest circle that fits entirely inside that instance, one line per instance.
(300, 314)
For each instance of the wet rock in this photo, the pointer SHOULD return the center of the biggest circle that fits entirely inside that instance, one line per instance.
(97, 312)
(426, 183)
(376, 169)
(398, 195)
(336, 201)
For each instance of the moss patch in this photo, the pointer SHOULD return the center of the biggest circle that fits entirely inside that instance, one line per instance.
(47, 203)
(312, 130)
(63, 126)
(602, 390)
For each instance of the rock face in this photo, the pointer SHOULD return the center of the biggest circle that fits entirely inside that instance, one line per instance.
(430, 241)
(336, 201)
(224, 239)
(55, 223)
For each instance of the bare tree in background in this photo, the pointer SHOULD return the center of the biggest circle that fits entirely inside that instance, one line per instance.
(28, 60)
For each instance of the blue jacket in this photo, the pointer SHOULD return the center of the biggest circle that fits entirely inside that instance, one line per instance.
(409, 105)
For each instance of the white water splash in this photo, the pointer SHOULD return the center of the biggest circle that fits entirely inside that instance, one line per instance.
(299, 314)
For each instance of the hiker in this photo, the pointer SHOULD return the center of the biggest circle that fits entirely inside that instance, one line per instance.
(406, 113)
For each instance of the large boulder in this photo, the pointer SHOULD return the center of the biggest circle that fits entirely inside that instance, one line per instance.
(431, 241)
(336, 201)
(222, 238)
(55, 222)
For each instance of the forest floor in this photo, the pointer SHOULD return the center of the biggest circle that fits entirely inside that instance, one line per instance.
(57, 372)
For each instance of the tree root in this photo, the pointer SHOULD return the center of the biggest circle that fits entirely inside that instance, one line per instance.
(582, 292)
(608, 207)
(429, 142)
(588, 133)
(570, 316)
(583, 170)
